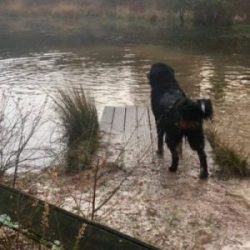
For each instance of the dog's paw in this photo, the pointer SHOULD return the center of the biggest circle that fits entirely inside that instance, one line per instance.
(172, 169)
(159, 152)
(203, 175)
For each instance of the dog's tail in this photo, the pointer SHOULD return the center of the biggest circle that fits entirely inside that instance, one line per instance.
(206, 107)
(198, 110)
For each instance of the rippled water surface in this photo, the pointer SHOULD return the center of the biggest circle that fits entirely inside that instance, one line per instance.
(116, 75)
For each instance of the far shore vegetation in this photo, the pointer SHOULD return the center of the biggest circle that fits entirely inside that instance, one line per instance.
(221, 25)
(201, 12)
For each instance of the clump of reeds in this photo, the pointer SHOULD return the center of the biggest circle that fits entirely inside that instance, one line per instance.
(79, 121)
(231, 163)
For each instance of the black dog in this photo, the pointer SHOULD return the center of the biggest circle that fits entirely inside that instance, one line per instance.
(177, 116)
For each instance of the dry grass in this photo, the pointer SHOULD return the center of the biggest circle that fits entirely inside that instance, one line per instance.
(66, 9)
(15, 7)
(83, 8)
(52, 9)
(231, 163)
(80, 127)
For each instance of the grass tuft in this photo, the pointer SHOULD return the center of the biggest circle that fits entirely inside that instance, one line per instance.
(231, 163)
(79, 121)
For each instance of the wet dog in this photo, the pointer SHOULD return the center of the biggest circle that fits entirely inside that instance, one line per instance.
(177, 116)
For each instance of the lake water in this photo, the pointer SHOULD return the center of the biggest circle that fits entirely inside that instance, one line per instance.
(115, 75)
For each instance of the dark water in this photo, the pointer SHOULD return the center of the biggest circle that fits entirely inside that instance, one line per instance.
(116, 75)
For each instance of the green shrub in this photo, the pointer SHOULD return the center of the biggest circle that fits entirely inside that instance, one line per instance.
(79, 121)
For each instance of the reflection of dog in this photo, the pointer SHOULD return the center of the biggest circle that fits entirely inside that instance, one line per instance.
(177, 116)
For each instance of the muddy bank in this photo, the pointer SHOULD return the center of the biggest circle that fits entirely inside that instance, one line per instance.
(170, 211)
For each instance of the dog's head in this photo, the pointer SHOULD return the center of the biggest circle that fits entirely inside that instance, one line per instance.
(161, 74)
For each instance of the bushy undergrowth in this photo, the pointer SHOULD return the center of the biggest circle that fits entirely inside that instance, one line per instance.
(213, 12)
(74, 9)
(80, 126)
(231, 163)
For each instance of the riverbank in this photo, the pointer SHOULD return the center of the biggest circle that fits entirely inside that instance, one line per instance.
(150, 10)
(170, 211)
(20, 31)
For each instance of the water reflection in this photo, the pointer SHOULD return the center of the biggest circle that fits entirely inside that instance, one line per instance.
(117, 76)
(207, 72)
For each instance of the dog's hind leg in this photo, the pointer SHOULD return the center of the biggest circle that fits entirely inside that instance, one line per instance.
(196, 142)
(173, 144)
(203, 163)
(175, 159)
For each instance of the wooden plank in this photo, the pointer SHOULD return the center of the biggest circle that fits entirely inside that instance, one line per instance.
(105, 129)
(145, 143)
(107, 119)
(131, 133)
(131, 140)
(117, 136)
(130, 123)
(119, 120)
(44, 222)
(152, 132)
(152, 127)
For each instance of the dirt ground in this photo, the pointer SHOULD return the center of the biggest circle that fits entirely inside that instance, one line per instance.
(170, 211)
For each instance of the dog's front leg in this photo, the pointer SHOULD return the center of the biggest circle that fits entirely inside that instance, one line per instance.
(160, 135)
(196, 141)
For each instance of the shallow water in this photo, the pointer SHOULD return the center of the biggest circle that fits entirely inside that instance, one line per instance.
(116, 75)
